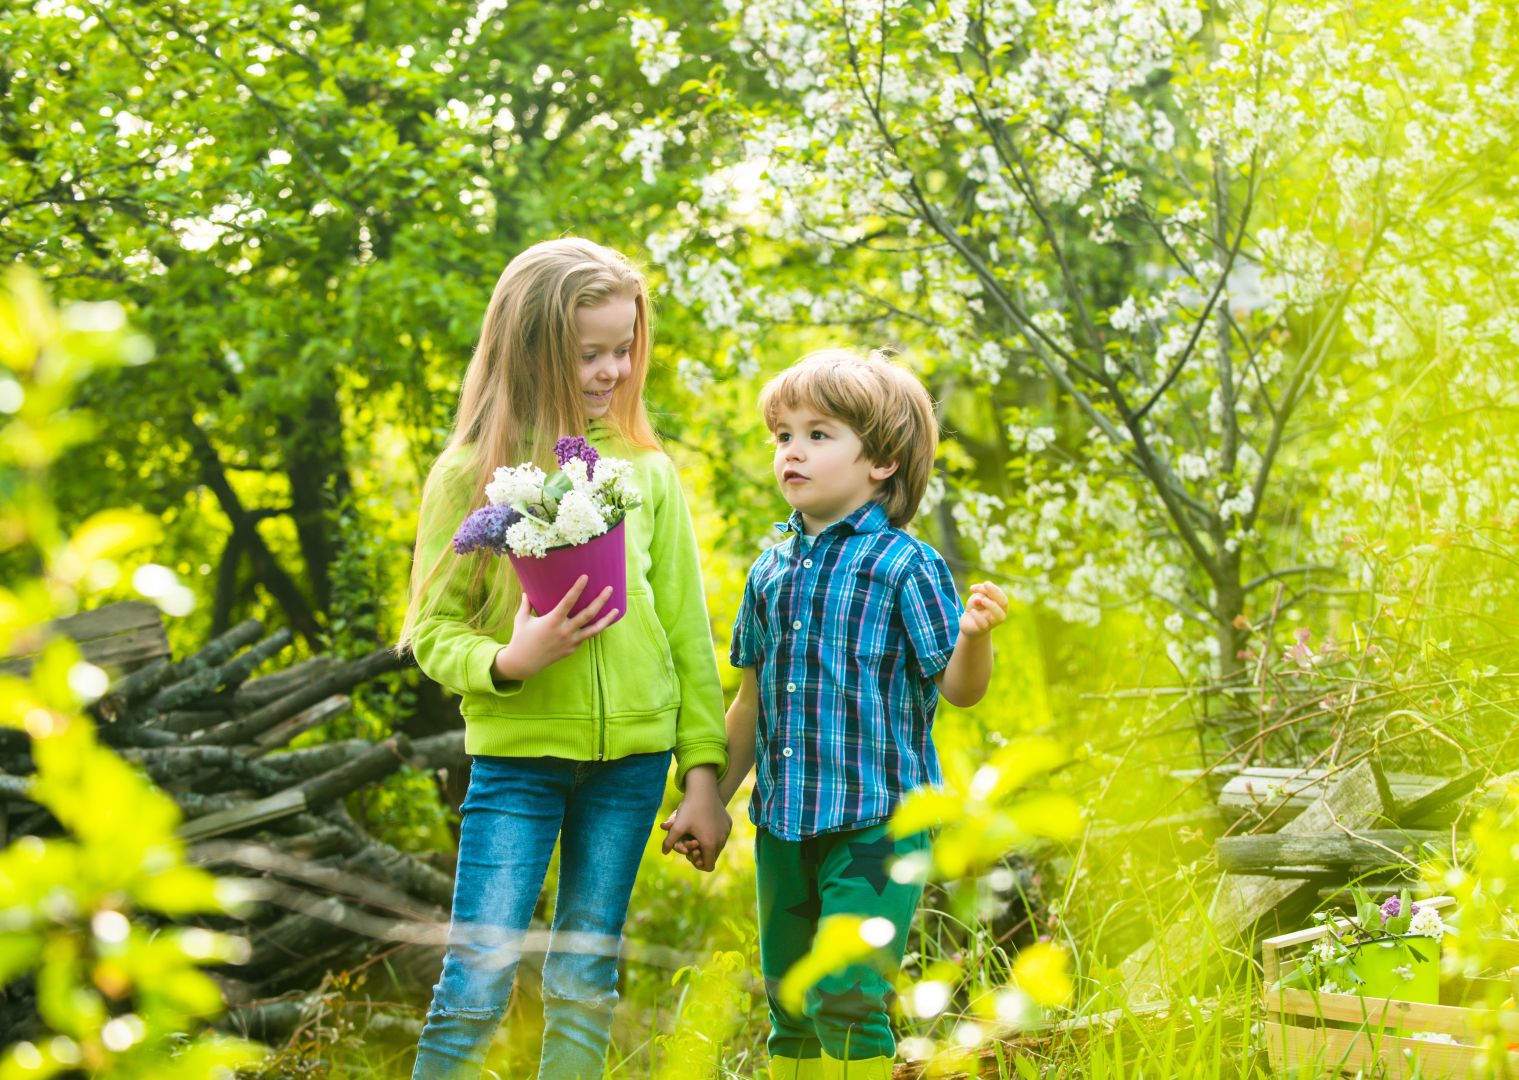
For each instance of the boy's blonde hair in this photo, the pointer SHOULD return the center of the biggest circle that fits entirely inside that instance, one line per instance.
(521, 392)
(885, 405)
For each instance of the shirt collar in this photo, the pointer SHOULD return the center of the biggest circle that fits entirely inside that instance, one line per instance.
(868, 518)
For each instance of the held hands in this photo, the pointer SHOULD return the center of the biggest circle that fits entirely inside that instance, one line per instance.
(984, 610)
(539, 640)
(700, 826)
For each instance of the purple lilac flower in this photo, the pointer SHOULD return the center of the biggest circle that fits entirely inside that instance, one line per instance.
(485, 528)
(1392, 907)
(572, 447)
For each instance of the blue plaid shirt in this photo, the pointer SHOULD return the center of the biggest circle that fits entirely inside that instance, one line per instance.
(846, 633)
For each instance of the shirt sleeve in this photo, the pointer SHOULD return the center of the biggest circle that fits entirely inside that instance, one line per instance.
(743, 650)
(930, 609)
(681, 604)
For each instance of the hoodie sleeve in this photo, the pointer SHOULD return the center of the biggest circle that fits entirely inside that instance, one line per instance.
(680, 602)
(448, 650)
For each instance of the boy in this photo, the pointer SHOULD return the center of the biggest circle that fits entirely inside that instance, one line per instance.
(848, 633)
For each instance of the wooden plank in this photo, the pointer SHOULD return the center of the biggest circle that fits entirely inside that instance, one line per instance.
(1240, 900)
(119, 637)
(1437, 798)
(1367, 849)
(279, 805)
(1279, 795)
(1374, 1012)
(1341, 1050)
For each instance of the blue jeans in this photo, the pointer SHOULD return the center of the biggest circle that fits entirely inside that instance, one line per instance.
(601, 812)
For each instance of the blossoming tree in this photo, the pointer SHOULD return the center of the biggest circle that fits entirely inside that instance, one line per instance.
(1151, 253)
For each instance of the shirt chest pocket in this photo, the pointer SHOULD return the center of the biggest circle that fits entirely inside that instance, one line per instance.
(859, 617)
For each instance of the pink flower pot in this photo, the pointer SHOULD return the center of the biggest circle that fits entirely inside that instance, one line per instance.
(604, 560)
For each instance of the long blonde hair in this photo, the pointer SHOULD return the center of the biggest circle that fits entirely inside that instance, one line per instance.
(522, 392)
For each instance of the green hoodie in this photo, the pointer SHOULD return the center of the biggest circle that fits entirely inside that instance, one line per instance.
(646, 683)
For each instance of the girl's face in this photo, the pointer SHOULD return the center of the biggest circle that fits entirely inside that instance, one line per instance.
(606, 351)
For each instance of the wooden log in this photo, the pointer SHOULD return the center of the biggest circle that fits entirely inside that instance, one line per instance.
(131, 688)
(1369, 849)
(221, 648)
(270, 688)
(178, 693)
(338, 877)
(120, 735)
(1420, 810)
(246, 728)
(192, 764)
(434, 751)
(1353, 802)
(302, 722)
(374, 764)
(18, 788)
(272, 1021)
(235, 671)
(184, 721)
(301, 764)
(200, 679)
(244, 815)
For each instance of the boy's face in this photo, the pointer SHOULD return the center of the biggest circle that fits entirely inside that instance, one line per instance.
(821, 466)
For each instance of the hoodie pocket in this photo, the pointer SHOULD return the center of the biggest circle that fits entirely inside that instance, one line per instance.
(640, 675)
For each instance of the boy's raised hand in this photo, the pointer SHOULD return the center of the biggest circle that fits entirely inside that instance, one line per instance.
(985, 609)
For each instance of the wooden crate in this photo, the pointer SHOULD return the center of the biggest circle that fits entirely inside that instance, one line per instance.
(1335, 1033)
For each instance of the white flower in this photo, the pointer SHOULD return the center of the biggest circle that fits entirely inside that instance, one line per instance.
(1040, 438)
(579, 519)
(1427, 923)
(1404, 972)
(517, 486)
(1174, 623)
(529, 537)
(1192, 467)
(579, 474)
(1329, 986)
(1435, 1037)
(1325, 949)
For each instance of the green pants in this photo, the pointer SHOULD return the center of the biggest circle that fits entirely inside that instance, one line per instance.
(802, 882)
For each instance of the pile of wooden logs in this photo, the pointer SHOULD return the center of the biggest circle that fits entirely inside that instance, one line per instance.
(326, 895)
(1292, 838)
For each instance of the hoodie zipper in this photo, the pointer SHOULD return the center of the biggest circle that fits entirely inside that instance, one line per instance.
(601, 709)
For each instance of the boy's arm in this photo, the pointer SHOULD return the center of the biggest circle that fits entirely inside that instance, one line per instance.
(964, 679)
(742, 716)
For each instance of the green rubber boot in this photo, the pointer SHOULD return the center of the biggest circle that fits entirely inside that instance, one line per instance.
(876, 1068)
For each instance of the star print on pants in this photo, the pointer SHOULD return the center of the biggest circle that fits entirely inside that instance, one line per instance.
(867, 859)
(855, 1004)
(810, 908)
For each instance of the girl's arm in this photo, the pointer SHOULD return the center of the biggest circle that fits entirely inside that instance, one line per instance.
(681, 605)
(742, 716)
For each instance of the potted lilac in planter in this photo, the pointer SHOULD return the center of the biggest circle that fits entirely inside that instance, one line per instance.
(1391, 951)
(556, 527)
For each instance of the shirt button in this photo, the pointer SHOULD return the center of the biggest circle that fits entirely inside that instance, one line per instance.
(807, 563)
(791, 688)
(786, 752)
(797, 625)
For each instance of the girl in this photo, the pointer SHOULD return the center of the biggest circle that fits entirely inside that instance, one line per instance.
(570, 721)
